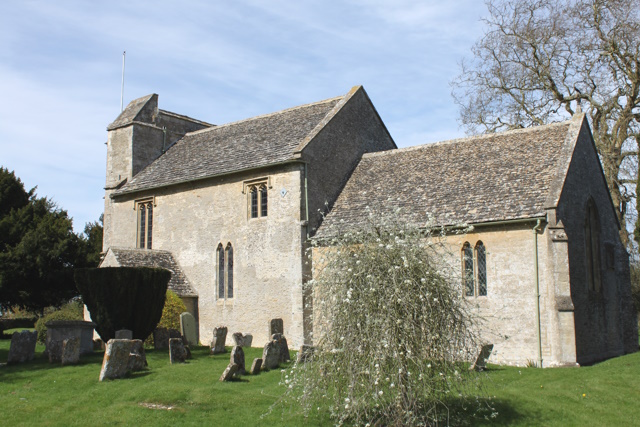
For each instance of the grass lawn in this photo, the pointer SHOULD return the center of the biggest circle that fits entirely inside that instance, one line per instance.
(37, 393)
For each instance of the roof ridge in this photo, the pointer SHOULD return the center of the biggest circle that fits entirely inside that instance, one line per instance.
(298, 107)
(468, 139)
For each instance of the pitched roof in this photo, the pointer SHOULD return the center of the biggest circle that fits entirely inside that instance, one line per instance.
(252, 143)
(155, 258)
(132, 111)
(485, 178)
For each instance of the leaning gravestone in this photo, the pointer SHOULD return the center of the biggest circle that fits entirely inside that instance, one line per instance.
(70, 351)
(229, 372)
(284, 347)
(237, 357)
(219, 339)
(306, 353)
(23, 347)
(255, 366)
(116, 359)
(276, 326)
(177, 353)
(161, 338)
(124, 334)
(271, 355)
(188, 328)
(483, 355)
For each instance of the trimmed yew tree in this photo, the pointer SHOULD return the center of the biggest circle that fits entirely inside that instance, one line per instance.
(123, 298)
(393, 334)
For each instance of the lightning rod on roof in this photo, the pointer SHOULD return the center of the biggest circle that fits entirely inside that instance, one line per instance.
(124, 54)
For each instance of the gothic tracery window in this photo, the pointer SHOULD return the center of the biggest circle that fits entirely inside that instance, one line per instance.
(474, 269)
(224, 267)
(258, 200)
(145, 224)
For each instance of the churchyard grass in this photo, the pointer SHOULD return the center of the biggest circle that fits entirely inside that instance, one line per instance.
(37, 393)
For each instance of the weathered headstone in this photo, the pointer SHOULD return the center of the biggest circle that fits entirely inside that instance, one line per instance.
(116, 359)
(177, 353)
(483, 355)
(124, 334)
(54, 350)
(248, 340)
(229, 372)
(161, 338)
(188, 328)
(284, 347)
(255, 366)
(237, 357)
(23, 347)
(219, 339)
(306, 353)
(137, 356)
(70, 351)
(238, 338)
(271, 355)
(276, 326)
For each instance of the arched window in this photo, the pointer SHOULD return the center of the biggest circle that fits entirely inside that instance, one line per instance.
(467, 269)
(220, 262)
(229, 252)
(145, 223)
(263, 200)
(258, 199)
(481, 262)
(592, 246)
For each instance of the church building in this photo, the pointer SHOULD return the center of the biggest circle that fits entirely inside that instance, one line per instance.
(231, 209)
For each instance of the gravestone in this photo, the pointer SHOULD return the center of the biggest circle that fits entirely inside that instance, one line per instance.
(219, 339)
(116, 359)
(237, 357)
(248, 340)
(188, 328)
(177, 353)
(137, 356)
(483, 355)
(255, 366)
(306, 353)
(54, 351)
(161, 338)
(271, 355)
(229, 372)
(276, 326)
(70, 351)
(124, 334)
(284, 347)
(23, 347)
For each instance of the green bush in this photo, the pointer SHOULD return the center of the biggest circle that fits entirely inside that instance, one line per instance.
(70, 311)
(173, 308)
(123, 298)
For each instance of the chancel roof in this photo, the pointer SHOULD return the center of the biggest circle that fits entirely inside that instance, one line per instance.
(155, 258)
(493, 177)
(252, 143)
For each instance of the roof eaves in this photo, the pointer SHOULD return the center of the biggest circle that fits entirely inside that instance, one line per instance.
(126, 191)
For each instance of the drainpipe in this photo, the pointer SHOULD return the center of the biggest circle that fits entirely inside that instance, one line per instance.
(536, 229)
(306, 200)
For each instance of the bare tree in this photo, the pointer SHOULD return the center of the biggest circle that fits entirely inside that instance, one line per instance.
(541, 61)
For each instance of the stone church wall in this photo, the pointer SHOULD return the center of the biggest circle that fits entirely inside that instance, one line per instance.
(190, 220)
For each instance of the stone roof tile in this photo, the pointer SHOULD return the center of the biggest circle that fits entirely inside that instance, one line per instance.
(155, 258)
(485, 178)
(251, 143)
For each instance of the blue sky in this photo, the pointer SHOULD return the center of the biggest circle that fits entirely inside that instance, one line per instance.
(61, 63)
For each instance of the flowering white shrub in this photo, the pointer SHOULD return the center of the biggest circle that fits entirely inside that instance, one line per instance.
(392, 331)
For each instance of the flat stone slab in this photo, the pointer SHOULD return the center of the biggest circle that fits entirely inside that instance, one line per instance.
(23, 347)
(219, 340)
(483, 356)
(255, 366)
(188, 328)
(177, 353)
(70, 351)
(116, 359)
(229, 372)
